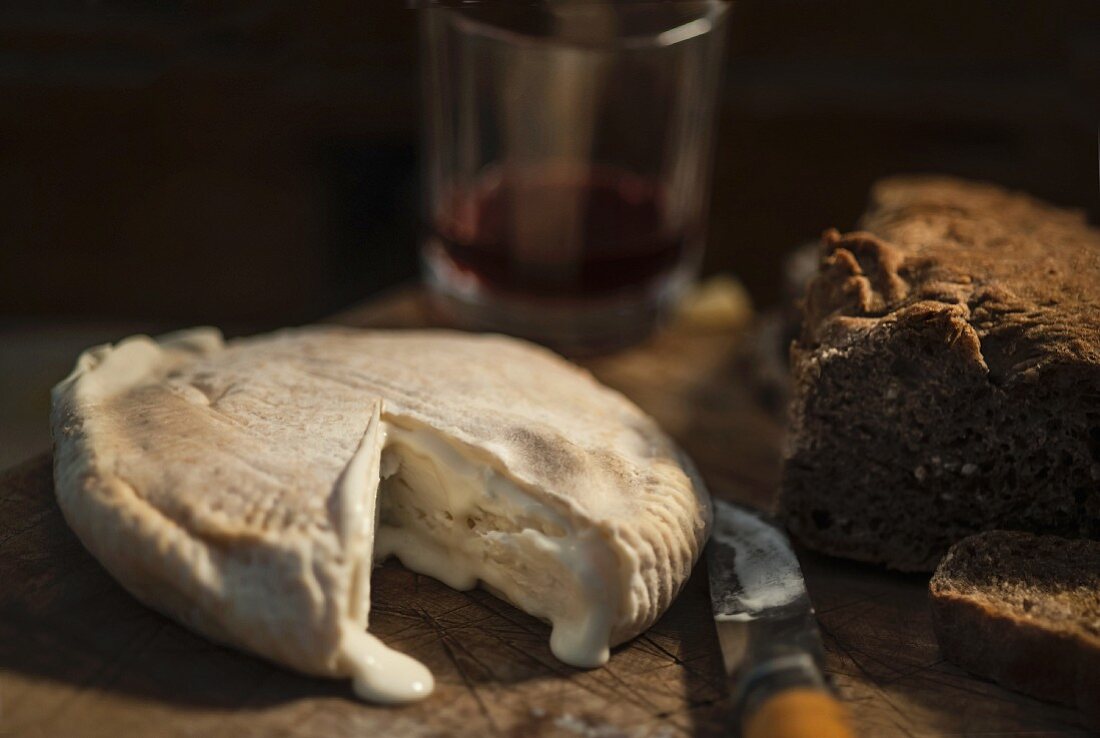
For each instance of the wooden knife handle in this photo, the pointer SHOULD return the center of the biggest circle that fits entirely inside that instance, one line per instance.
(801, 712)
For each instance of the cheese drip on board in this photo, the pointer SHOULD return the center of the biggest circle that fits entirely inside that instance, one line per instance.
(383, 675)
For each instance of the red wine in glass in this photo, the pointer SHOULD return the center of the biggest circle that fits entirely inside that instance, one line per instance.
(560, 232)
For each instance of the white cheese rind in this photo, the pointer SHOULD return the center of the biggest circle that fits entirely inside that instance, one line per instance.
(231, 488)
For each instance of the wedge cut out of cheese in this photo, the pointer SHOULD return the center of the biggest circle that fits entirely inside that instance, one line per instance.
(247, 488)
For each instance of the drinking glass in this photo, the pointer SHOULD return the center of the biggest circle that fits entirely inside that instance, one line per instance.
(567, 162)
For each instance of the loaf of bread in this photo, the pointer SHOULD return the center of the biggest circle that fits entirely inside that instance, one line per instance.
(1024, 611)
(947, 376)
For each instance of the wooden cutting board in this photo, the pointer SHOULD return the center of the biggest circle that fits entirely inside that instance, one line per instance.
(81, 658)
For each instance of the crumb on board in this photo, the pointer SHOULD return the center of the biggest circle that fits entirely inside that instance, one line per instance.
(717, 304)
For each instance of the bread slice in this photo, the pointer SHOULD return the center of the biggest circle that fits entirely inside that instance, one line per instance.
(947, 377)
(1024, 611)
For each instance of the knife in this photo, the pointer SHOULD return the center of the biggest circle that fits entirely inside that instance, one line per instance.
(770, 642)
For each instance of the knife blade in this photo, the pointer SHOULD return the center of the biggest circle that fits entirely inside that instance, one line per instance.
(770, 643)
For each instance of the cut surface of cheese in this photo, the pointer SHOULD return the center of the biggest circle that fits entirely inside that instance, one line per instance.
(247, 488)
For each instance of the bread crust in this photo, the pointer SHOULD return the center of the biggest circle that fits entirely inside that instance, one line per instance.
(947, 377)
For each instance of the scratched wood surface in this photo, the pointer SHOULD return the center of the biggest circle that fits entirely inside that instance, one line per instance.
(80, 658)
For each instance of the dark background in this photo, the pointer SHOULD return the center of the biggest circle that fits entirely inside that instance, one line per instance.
(254, 163)
(251, 164)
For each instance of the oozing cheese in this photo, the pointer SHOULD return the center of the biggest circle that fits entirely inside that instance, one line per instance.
(379, 673)
(461, 522)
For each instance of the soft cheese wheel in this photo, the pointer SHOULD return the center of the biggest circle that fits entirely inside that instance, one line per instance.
(245, 489)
